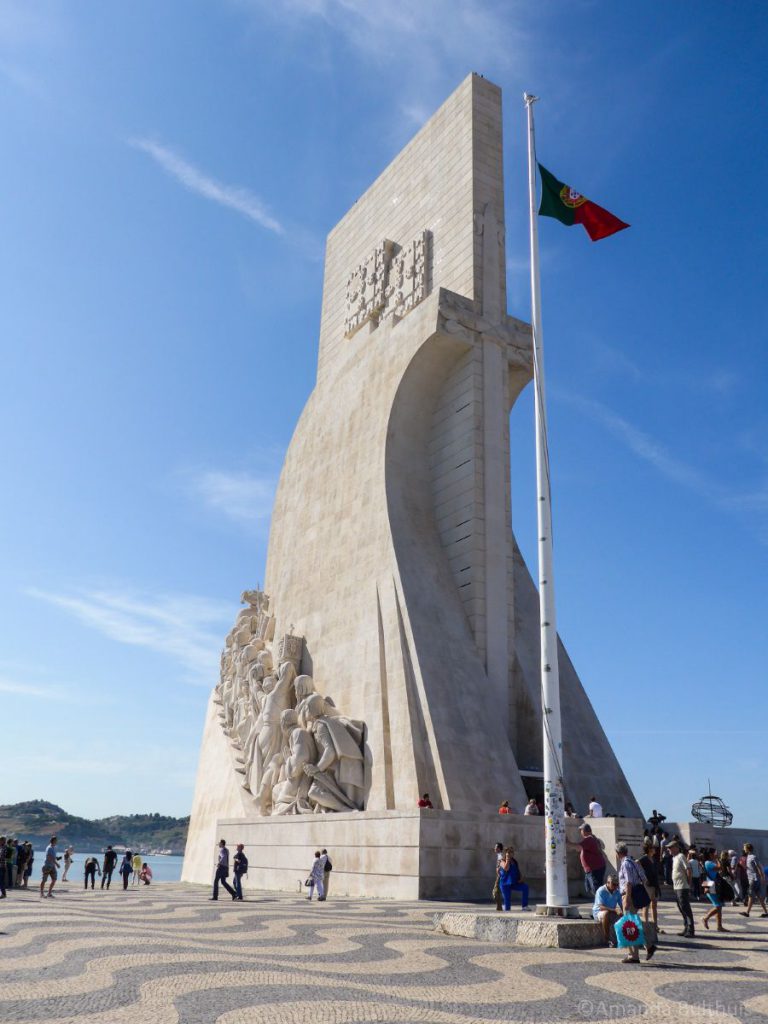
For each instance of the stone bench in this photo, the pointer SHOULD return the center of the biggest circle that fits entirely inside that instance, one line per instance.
(525, 929)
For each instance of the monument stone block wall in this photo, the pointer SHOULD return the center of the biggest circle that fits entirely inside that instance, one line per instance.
(412, 854)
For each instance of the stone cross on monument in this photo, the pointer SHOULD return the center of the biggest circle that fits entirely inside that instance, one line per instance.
(391, 544)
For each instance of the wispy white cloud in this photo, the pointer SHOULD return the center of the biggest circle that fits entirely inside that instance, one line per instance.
(751, 501)
(21, 689)
(611, 360)
(657, 454)
(438, 28)
(29, 34)
(243, 497)
(415, 114)
(22, 79)
(720, 381)
(642, 444)
(28, 25)
(234, 197)
(423, 47)
(183, 627)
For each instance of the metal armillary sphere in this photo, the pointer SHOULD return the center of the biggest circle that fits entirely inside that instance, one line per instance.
(711, 810)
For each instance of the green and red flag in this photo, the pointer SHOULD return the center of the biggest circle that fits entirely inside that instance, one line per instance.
(570, 207)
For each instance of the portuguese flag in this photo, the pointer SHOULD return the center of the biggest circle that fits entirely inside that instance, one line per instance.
(570, 207)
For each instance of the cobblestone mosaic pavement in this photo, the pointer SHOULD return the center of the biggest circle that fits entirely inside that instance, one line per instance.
(166, 955)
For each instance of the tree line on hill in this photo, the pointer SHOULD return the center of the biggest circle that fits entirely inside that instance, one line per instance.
(37, 820)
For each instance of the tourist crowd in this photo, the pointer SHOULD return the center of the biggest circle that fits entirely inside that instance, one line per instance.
(17, 861)
(718, 878)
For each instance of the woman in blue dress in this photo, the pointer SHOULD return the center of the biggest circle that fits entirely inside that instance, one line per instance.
(713, 881)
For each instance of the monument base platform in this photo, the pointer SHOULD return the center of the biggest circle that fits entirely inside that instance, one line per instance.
(418, 854)
(406, 855)
(520, 929)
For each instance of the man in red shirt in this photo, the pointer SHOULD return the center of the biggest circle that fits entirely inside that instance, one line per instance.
(592, 860)
(425, 801)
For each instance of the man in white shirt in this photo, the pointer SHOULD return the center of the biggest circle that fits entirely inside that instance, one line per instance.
(681, 880)
(595, 810)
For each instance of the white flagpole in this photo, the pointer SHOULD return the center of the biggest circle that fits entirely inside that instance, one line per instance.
(554, 808)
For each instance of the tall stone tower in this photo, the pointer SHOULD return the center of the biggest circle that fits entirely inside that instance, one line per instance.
(391, 548)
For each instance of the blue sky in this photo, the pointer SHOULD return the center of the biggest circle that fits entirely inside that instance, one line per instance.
(169, 174)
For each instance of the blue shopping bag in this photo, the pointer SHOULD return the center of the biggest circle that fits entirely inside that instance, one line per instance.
(629, 931)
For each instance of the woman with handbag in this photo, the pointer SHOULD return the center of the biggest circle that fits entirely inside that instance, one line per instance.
(633, 898)
(315, 880)
(719, 891)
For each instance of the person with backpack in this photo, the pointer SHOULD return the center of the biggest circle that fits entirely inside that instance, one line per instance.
(126, 867)
(240, 868)
(327, 869)
(510, 878)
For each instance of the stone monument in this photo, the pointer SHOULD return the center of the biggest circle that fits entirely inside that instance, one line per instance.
(394, 650)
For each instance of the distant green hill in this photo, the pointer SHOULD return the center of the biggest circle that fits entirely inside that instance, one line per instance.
(38, 820)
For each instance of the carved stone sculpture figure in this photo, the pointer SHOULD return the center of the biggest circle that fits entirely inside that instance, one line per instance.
(270, 739)
(291, 794)
(296, 752)
(338, 777)
(304, 688)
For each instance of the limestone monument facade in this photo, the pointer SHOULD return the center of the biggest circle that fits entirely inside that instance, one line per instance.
(397, 651)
